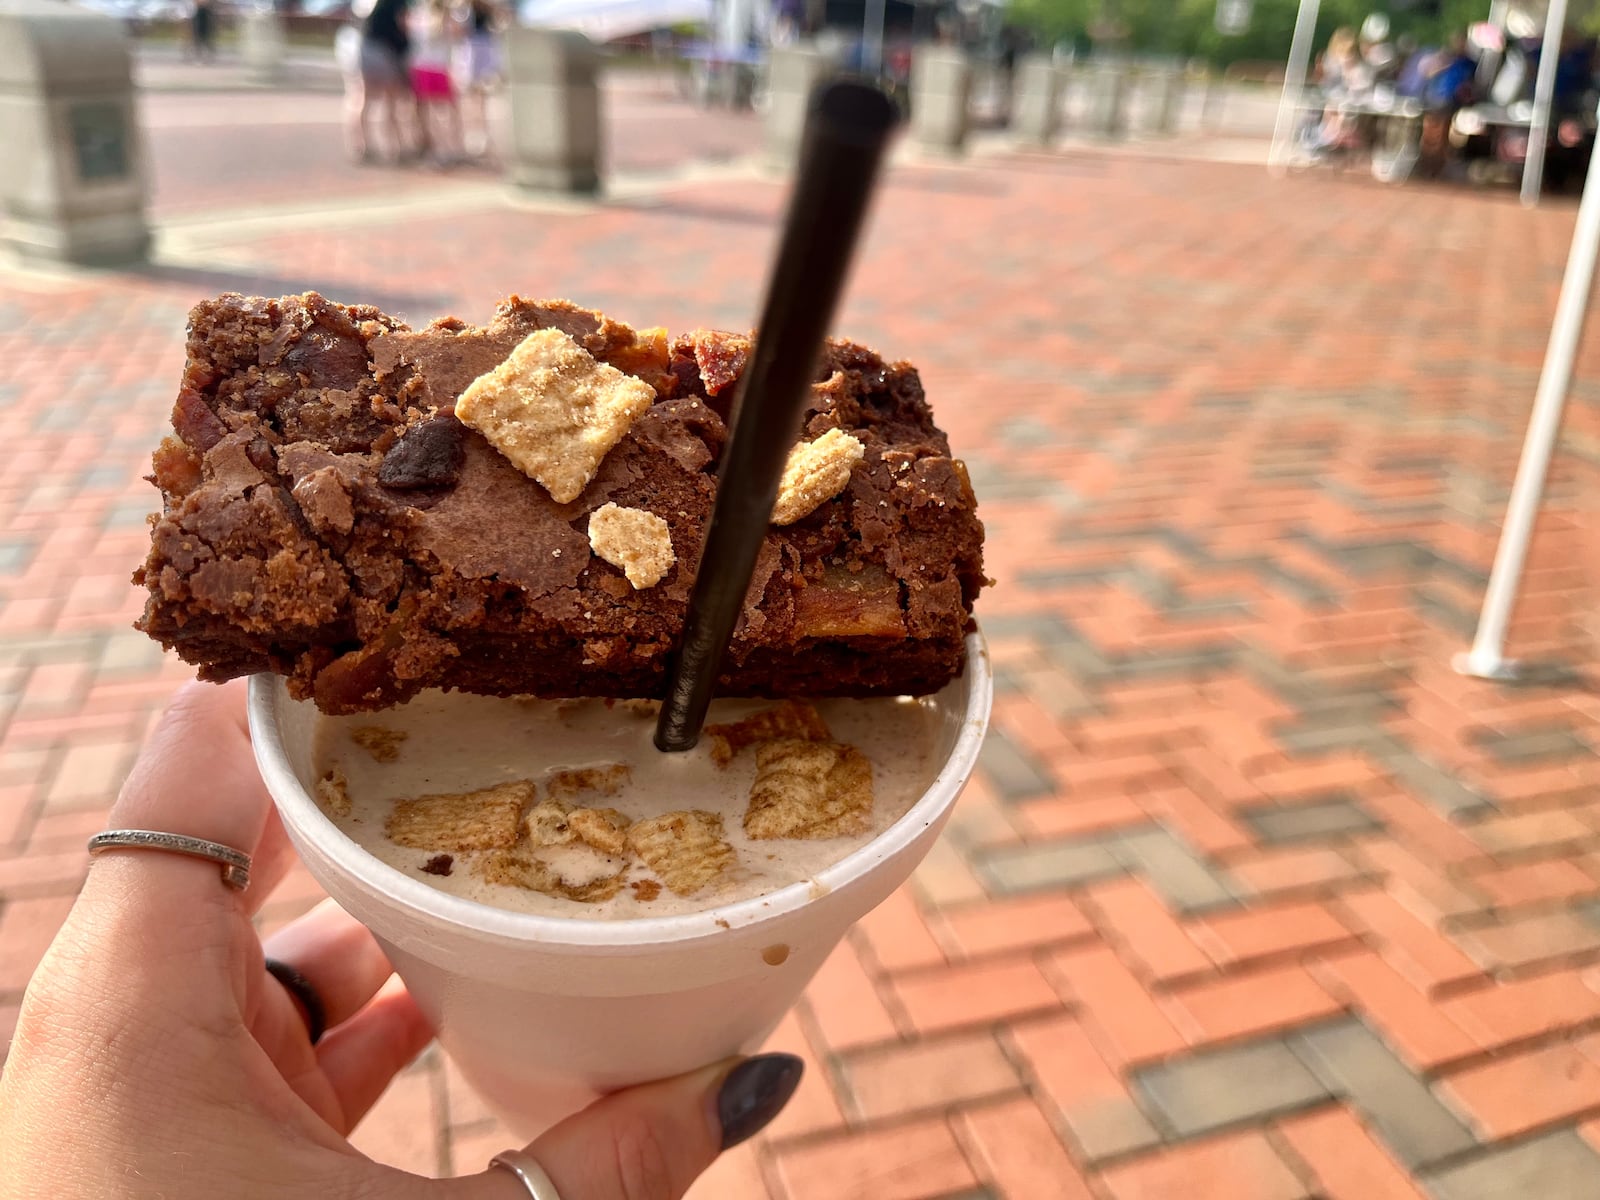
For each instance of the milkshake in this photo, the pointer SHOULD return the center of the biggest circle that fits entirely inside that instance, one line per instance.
(541, 806)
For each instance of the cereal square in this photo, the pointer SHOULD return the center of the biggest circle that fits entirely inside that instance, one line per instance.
(686, 850)
(790, 719)
(816, 472)
(546, 824)
(607, 780)
(554, 411)
(383, 744)
(333, 793)
(603, 828)
(635, 541)
(512, 869)
(809, 790)
(481, 820)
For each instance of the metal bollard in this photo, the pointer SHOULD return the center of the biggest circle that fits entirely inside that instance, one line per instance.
(941, 94)
(263, 44)
(553, 84)
(75, 185)
(795, 71)
(1036, 109)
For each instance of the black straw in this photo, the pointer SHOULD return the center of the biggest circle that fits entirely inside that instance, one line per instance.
(847, 130)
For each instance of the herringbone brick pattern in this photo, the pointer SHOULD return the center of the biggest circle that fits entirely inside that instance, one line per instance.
(1252, 897)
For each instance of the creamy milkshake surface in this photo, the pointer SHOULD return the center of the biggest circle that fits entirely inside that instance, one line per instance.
(566, 808)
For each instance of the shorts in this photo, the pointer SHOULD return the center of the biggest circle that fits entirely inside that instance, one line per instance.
(478, 61)
(431, 83)
(381, 67)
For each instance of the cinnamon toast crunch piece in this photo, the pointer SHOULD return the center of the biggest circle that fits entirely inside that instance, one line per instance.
(790, 719)
(603, 828)
(517, 868)
(809, 790)
(686, 850)
(383, 744)
(486, 819)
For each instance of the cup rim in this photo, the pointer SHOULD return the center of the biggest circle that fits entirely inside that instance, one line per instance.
(304, 816)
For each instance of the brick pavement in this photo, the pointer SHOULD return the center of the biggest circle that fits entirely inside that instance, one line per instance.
(1251, 897)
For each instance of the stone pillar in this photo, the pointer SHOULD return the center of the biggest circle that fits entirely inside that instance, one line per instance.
(941, 89)
(1163, 97)
(1036, 108)
(263, 44)
(1108, 100)
(795, 71)
(554, 85)
(74, 185)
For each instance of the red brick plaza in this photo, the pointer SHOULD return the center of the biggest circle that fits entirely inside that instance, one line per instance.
(1253, 898)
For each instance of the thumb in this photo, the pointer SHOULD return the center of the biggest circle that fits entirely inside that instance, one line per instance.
(650, 1142)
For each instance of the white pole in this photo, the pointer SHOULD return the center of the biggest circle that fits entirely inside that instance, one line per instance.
(1294, 84)
(872, 38)
(1487, 658)
(1555, 22)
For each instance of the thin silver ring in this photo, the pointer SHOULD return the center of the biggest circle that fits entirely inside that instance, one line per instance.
(235, 863)
(521, 1164)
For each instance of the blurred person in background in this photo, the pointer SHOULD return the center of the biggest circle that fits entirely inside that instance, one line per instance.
(432, 32)
(479, 69)
(381, 81)
(1343, 77)
(203, 31)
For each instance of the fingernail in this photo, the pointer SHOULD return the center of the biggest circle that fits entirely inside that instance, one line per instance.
(754, 1092)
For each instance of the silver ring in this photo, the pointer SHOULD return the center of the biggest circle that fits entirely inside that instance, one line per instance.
(520, 1163)
(235, 863)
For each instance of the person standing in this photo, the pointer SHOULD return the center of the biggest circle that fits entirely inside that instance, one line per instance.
(479, 69)
(382, 80)
(437, 112)
(203, 31)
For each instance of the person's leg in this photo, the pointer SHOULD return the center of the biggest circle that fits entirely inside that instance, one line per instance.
(394, 99)
(455, 135)
(356, 133)
(477, 100)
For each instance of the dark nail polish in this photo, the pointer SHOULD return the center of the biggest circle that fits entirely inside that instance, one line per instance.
(754, 1092)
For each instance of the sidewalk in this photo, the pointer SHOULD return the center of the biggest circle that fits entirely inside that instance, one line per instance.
(1252, 898)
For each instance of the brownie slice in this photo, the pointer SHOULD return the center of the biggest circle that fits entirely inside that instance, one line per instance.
(327, 517)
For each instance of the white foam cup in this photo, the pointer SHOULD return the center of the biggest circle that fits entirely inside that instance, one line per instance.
(542, 1014)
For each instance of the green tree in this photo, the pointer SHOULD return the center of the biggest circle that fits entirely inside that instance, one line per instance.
(1187, 27)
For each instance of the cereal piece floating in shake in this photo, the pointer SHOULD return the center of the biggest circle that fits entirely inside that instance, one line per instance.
(383, 744)
(509, 868)
(686, 849)
(481, 820)
(607, 780)
(554, 411)
(791, 719)
(816, 472)
(546, 824)
(635, 541)
(603, 828)
(809, 790)
(333, 793)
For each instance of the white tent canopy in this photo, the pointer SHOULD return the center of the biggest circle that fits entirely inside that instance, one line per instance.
(604, 20)
(1486, 659)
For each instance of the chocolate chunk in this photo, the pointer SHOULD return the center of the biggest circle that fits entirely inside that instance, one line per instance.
(439, 864)
(428, 455)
